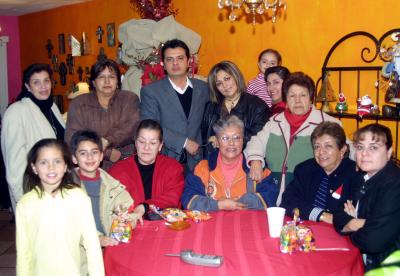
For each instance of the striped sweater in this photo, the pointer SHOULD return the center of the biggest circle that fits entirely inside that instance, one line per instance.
(258, 87)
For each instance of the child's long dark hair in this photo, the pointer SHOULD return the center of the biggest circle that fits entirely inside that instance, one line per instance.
(32, 180)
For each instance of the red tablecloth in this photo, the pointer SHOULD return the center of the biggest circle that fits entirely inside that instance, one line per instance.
(241, 237)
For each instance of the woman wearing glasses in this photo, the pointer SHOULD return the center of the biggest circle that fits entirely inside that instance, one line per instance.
(228, 95)
(222, 181)
(372, 218)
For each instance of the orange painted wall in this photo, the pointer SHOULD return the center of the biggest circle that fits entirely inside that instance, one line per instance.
(303, 35)
(36, 28)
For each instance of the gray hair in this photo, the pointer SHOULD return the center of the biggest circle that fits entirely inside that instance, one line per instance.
(227, 121)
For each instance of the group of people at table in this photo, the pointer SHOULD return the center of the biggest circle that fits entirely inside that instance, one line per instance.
(211, 146)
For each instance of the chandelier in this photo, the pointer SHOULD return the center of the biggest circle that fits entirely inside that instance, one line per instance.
(252, 7)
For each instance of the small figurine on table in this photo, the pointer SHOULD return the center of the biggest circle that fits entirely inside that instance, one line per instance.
(364, 106)
(341, 106)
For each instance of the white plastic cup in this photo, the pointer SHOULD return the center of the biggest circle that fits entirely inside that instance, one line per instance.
(275, 217)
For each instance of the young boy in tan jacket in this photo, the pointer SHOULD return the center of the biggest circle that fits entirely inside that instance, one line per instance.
(105, 192)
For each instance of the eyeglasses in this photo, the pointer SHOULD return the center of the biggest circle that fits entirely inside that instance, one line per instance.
(234, 139)
(370, 149)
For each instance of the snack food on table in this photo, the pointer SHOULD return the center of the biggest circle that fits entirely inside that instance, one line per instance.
(296, 237)
(198, 216)
(288, 238)
(121, 227)
(173, 214)
(179, 225)
(305, 239)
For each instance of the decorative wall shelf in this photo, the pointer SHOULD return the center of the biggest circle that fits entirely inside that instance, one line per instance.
(376, 56)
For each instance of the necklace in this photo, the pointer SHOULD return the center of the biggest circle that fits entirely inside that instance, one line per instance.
(231, 103)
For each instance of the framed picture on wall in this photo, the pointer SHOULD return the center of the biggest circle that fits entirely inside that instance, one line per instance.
(111, 34)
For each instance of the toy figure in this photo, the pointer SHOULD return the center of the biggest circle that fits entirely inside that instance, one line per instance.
(341, 106)
(364, 106)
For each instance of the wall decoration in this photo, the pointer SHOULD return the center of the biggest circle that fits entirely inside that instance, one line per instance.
(111, 34)
(85, 45)
(99, 34)
(63, 73)
(80, 72)
(101, 56)
(119, 54)
(78, 89)
(138, 51)
(154, 9)
(54, 62)
(87, 74)
(70, 64)
(49, 48)
(61, 44)
(75, 47)
(326, 94)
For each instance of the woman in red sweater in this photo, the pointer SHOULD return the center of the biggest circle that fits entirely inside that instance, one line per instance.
(150, 177)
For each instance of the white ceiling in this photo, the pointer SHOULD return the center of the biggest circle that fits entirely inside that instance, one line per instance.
(20, 7)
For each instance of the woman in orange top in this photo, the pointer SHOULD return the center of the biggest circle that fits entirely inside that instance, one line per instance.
(222, 181)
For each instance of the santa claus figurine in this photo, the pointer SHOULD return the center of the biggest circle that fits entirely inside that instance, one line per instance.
(364, 106)
(341, 106)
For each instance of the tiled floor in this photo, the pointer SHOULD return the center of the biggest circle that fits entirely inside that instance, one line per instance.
(7, 244)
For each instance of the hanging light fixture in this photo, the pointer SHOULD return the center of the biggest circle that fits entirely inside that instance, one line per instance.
(252, 7)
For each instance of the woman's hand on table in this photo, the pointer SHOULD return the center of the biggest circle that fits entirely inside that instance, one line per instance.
(354, 225)
(256, 170)
(230, 204)
(327, 217)
(137, 214)
(107, 241)
(350, 209)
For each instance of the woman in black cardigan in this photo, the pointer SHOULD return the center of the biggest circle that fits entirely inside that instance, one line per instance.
(322, 184)
(228, 96)
(372, 219)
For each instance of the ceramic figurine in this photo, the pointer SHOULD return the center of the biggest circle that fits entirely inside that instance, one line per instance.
(364, 106)
(341, 106)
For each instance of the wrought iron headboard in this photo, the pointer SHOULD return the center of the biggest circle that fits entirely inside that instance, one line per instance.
(376, 53)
